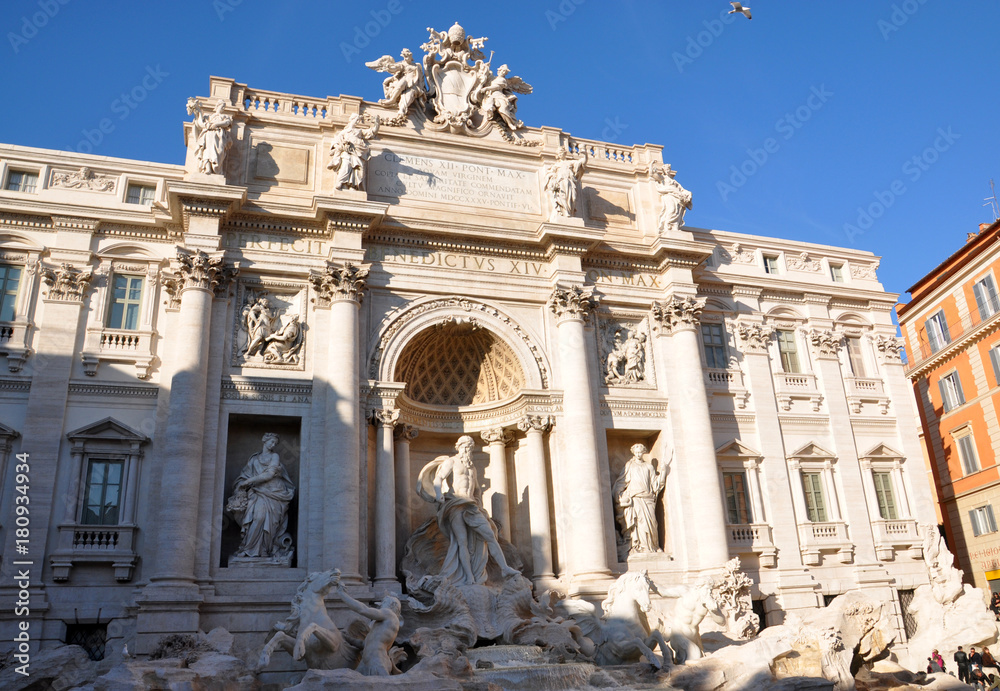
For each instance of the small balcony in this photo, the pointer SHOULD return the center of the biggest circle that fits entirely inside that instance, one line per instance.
(95, 544)
(14, 343)
(792, 386)
(862, 390)
(894, 535)
(119, 345)
(753, 538)
(828, 536)
(727, 382)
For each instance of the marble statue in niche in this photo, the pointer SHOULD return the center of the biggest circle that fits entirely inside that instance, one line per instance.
(562, 182)
(674, 199)
(259, 504)
(211, 137)
(451, 483)
(626, 359)
(350, 152)
(636, 491)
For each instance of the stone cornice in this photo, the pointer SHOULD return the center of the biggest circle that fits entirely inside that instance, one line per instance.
(921, 367)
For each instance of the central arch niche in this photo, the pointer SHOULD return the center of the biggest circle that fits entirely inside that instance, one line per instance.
(459, 364)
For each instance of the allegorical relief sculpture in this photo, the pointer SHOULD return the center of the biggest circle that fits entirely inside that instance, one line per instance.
(562, 183)
(259, 503)
(211, 137)
(350, 152)
(624, 353)
(674, 199)
(267, 335)
(451, 483)
(636, 491)
(83, 179)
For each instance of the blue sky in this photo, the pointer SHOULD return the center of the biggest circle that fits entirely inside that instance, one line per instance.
(797, 124)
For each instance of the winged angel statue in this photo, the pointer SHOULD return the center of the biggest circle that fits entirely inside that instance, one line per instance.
(465, 98)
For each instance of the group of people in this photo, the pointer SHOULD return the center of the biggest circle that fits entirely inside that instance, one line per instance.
(970, 666)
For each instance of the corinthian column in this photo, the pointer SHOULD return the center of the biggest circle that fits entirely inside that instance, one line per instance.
(498, 438)
(586, 553)
(534, 426)
(385, 501)
(679, 318)
(341, 288)
(199, 276)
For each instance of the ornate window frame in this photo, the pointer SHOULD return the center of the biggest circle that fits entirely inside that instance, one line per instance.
(100, 544)
(831, 534)
(755, 537)
(131, 346)
(15, 336)
(891, 535)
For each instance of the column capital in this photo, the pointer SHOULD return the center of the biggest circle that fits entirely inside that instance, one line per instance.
(825, 343)
(67, 283)
(535, 423)
(889, 348)
(678, 313)
(405, 433)
(385, 418)
(200, 270)
(497, 435)
(574, 302)
(336, 283)
(754, 337)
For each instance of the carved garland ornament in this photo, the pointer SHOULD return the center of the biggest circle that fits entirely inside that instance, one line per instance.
(574, 302)
(753, 337)
(802, 263)
(198, 269)
(678, 313)
(339, 283)
(67, 283)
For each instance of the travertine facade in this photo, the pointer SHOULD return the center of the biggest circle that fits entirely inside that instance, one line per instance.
(150, 346)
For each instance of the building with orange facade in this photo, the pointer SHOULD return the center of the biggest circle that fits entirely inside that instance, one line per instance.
(952, 332)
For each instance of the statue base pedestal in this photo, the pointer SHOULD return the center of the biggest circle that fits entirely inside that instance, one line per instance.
(284, 562)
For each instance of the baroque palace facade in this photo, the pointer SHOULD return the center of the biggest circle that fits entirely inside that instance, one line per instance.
(348, 287)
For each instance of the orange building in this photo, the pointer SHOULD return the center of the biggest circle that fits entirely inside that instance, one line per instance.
(952, 331)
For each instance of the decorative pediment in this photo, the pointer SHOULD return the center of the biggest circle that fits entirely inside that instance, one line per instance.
(7, 433)
(736, 449)
(882, 452)
(812, 452)
(107, 430)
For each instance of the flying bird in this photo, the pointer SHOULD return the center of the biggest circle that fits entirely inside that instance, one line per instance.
(738, 7)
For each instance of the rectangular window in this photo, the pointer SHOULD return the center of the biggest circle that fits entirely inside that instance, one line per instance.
(789, 351)
(951, 391)
(995, 361)
(855, 357)
(883, 492)
(837, 273)
(937, 332)
(140, 194)
(10, 279)
(103, 493)
(967, 453)
(770, 264)
(986, 297)
(812, 485)
(22, 181)
(982, 520)
(714, 339)
(736, 498)
(126, 296)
